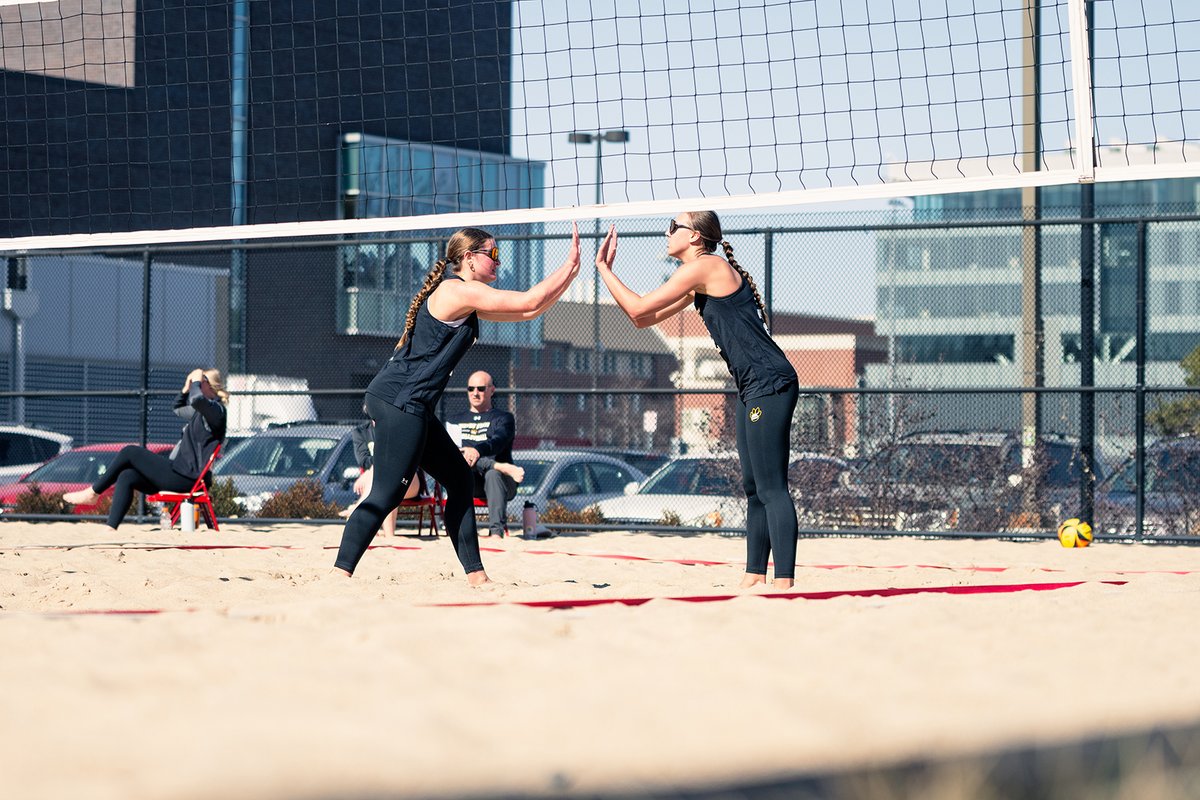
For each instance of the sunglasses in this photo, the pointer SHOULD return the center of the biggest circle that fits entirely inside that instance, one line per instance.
(476, 388)
(493, 254)
(673, 226)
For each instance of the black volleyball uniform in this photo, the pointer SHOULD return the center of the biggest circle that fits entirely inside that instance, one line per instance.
(137, 469)
(767, 393)
(402, 399)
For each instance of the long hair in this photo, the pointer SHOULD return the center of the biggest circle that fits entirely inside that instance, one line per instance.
(708, 226)
(459, 245)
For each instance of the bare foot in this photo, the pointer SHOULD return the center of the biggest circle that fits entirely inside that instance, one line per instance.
(478, 578)
(784, 583)
(347, 511)
(752, 580)
(339, 572)
(84, 497)
(511, 470)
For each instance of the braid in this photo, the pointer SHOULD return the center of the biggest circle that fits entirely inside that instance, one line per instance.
(762, 309)
(431, 282)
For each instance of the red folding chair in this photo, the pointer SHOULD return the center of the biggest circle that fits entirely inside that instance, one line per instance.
(198, 495)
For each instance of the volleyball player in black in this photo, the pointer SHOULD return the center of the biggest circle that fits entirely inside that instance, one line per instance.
(768, 388)
(442, 323)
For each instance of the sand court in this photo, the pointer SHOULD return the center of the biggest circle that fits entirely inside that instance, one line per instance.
(150, 664)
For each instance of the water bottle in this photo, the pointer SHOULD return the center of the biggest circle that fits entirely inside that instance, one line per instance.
(529, 520)
(187, 516)
(164, 518)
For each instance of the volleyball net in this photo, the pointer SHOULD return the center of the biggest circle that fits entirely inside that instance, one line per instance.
(130, 122)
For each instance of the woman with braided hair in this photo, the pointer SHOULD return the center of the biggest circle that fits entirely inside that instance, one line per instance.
(768, 388)
(442, 323)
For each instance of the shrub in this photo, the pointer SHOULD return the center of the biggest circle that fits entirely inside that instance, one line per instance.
(35, 501)
(558, 514)
(224, 499)
(303, 500)
(672, 518)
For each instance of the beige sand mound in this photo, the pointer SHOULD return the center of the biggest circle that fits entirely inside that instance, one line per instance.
(264, 676)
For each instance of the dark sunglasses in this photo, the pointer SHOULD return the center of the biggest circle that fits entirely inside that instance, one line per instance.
(476, 388)
(673, 226)
(493, 254)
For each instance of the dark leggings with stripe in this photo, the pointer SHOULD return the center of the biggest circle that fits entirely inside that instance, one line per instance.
(764, 427)
(402, 442)
(137, 469)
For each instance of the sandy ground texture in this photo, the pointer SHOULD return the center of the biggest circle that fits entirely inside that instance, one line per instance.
(248, 671)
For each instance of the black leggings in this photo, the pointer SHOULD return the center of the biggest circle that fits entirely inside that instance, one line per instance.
(136, 468)
(402, 442)
(764, 429)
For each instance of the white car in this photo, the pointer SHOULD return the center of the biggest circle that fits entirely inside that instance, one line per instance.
(23, 449)
(692, 492)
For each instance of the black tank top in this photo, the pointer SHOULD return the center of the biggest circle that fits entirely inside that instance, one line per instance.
(417, 373)
(758, 365)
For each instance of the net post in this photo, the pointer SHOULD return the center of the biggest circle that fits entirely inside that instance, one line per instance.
(1081, 78)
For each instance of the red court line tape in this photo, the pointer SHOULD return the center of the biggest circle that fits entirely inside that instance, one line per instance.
(828, 595)
(637, 601)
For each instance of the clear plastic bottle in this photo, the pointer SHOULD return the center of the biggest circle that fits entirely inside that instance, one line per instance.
(164, 518)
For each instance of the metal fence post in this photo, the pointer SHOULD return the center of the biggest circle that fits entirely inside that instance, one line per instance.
(145, 410)
(1139, 421)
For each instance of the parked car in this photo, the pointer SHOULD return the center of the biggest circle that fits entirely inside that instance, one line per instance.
(706, 491)
(1171, 495)
(277, 458)
(696, 491)
(574, 478)
(70, 472)
(23, 449)
(646, 461)
(963, 480)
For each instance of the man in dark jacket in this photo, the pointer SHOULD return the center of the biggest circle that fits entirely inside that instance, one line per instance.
(487, 438)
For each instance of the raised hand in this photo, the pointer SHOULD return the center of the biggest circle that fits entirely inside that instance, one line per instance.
(573, 251)
(607, 250)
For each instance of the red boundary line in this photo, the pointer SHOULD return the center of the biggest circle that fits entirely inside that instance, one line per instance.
(827, 595)
(637, 601)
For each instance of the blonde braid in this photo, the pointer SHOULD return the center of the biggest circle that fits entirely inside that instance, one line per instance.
(432, 279)
(762, 309)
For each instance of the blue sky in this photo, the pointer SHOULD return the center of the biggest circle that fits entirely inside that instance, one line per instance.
(725, 97)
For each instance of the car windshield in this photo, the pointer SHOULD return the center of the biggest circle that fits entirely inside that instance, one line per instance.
(1168, 470)
(695, 476)
(76, 466)
(277, 456)
(934, 463)
(535, 473)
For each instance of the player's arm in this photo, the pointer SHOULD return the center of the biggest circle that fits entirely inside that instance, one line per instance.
(657, 305)
(459, 299)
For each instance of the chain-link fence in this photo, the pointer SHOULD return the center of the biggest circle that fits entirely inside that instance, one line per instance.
(940, 354)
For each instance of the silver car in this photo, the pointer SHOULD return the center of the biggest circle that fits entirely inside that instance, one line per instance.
(277, 458)
(23, 449)
(574, 478)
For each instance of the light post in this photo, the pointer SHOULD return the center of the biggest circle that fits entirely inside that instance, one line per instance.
(599, 138)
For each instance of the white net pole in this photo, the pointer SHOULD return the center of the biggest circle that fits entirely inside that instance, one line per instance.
(1081, 78)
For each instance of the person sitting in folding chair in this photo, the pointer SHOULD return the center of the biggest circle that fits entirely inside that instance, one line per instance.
(202, 404)
(485, 437)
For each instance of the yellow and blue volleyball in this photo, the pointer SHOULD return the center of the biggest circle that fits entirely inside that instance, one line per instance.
(1074, 533)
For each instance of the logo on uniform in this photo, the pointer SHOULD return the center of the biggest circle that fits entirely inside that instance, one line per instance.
(755, 414)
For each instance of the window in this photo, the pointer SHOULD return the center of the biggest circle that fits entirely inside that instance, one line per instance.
(609, 477)
(345, 460)
(573, 480)
(581, 402)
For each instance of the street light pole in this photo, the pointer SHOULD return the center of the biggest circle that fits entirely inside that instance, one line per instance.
(599, 139)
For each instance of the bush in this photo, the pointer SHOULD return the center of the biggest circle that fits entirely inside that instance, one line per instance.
(303, 500)
(224, 499)
(671, 518)
(558, 514)
(35, 501)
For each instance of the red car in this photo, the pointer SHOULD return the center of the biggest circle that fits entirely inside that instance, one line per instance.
(71, 471)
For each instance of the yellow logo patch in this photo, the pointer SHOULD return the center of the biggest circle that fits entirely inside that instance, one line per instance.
(755, 414)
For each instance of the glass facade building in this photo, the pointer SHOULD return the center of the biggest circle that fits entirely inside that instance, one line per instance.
(384, 177)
